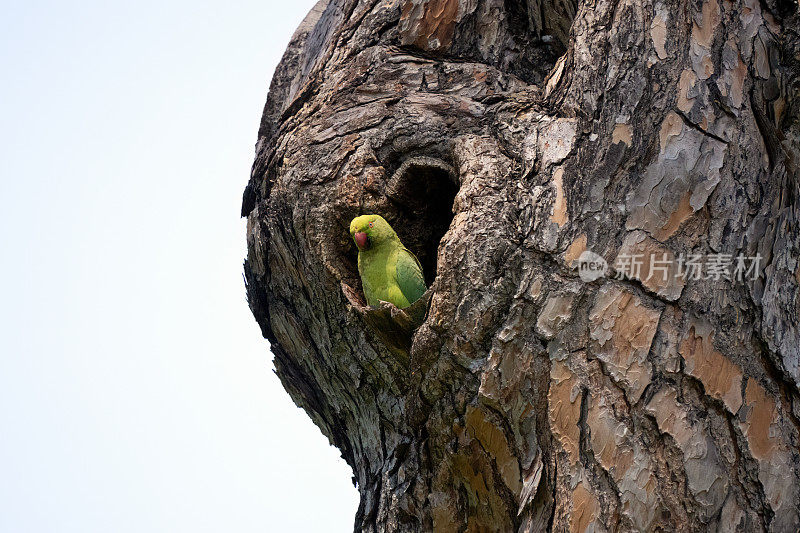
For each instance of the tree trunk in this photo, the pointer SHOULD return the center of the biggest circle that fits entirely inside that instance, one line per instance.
(519, 148)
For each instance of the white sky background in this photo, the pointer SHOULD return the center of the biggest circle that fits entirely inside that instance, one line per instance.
(136, 392)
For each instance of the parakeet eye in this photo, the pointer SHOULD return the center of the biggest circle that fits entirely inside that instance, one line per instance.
(370, 224)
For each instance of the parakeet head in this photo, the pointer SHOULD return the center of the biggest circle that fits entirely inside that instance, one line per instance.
(369, 231)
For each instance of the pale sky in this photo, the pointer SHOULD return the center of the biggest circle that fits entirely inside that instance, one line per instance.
(136, 392)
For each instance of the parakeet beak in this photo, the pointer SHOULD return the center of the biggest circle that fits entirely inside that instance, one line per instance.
(362, 240)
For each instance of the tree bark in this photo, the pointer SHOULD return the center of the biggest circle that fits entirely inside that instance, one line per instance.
(504, 140)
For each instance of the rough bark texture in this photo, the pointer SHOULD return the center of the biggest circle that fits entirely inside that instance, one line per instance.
(502, 139)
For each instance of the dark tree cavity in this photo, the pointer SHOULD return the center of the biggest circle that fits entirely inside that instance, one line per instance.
(502, 139)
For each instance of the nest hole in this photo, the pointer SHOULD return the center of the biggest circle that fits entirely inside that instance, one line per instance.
(423, 190)
(420, 196)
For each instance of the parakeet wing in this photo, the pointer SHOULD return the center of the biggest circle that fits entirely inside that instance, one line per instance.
(409, 276)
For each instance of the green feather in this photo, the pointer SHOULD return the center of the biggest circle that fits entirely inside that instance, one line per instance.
(409, 275)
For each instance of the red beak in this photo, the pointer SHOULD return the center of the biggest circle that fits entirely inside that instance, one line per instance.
(362, 241)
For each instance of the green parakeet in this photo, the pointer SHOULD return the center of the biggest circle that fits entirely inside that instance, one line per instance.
(389, 272)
